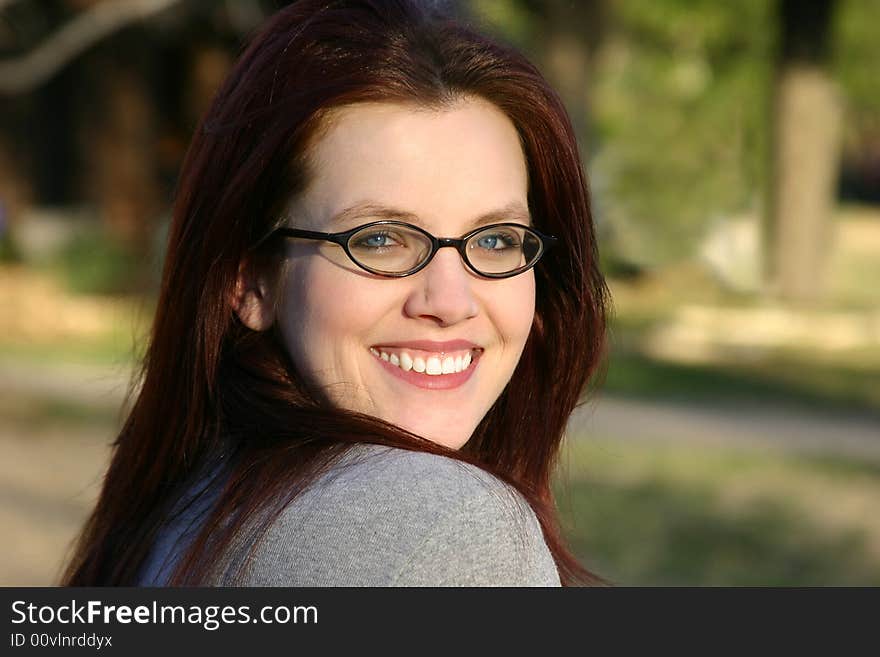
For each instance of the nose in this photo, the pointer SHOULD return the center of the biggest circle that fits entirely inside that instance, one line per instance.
(443, 291)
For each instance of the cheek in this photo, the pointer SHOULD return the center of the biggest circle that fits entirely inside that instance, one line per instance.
(322, 312)
(514, 307)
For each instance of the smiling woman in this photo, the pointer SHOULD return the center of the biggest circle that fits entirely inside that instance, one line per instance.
(406, 157)
(331, 395)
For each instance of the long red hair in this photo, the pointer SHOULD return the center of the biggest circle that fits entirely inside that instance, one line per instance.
(212, 389)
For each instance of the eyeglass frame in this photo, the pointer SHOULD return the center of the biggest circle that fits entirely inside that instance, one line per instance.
(342, 238)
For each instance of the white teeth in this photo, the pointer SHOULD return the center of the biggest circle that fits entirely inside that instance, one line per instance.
(433, 366)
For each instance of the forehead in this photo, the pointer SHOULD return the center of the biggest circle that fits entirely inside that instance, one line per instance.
(444, 167)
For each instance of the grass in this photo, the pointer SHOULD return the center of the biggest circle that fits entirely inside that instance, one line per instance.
(112, 348)
(34, 414)
(674, 515)
(793, 382)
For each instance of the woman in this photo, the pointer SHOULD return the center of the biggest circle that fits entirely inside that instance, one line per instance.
(331, 395)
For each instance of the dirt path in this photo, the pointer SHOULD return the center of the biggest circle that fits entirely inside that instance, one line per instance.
(50, 470)
(754, 426)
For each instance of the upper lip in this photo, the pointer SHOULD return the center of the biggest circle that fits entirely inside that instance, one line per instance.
(432, 345)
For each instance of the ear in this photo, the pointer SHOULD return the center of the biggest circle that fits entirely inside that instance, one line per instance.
(253, 299)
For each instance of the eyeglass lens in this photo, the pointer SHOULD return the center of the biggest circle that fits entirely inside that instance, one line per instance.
(396, 248)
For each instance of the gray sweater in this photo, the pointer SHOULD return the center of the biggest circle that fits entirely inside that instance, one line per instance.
(385, 517)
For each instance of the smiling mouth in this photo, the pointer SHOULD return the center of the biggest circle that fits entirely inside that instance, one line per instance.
(430, 363)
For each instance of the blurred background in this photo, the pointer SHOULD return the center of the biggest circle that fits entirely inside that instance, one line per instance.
(733, 150)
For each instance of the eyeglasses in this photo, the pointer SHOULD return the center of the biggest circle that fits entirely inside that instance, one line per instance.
(397, 249)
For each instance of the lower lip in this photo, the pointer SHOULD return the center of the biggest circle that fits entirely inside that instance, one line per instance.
(432, 381)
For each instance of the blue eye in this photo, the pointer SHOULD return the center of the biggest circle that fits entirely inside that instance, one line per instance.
(497, 241)
(488, 242)
(377, 240)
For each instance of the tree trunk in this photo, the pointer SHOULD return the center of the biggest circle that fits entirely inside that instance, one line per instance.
(124, 179)
(807, 114)
(571, 34)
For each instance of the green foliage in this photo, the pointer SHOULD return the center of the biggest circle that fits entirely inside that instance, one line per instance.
(9, 251)
(679, 111)
(93, 263)
(856, 61)
(509, 17)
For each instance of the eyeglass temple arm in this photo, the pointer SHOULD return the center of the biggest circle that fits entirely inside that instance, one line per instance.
(338, 238)
(549, 241)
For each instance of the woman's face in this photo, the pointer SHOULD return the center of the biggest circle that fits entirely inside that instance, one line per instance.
(445, 170)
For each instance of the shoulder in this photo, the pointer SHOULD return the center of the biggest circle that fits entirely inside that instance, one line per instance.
(387, 517)
(413, 482)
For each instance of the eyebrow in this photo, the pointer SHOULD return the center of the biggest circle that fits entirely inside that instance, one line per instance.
(514, 211)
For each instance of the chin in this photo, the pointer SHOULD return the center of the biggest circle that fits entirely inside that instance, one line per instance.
(455, 444)
(442, 426)
(450, 441)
